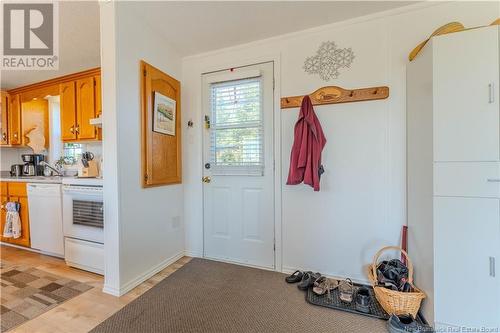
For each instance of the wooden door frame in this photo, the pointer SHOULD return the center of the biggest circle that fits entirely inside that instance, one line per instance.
(275, 59)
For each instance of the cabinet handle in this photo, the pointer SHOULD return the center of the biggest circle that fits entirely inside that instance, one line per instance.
(491, 89)
(15, 135)
(77, 129)
(492, 266)
(493, 180)
(4, 136)
(72, 129)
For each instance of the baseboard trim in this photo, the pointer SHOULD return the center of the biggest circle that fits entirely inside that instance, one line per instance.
(143, 277)
(111, 291)
(289, 270)
(193, 254)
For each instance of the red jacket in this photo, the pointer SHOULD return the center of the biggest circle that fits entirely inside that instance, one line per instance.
(309, 140)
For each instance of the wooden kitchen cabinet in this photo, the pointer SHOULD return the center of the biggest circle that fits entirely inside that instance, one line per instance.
(15, 191)
(67, 95)
(98, 99)
(4, 132)
(35, 114)
(14, 120)
(85, 108)
(80, 102)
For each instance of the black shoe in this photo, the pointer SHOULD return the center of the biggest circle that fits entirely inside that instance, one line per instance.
(295, 277)
(363, 300)
(308, 280)
(403, 324)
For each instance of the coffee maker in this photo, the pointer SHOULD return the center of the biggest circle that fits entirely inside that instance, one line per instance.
(32, 165)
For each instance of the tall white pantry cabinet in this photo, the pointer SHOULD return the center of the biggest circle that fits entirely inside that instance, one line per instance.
(453, 177)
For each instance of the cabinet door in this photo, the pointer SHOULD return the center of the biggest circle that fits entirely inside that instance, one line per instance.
(24, 240)
(467, 244)
(4, 133)
(98, 98)
(3, 214)
(68, 111)
(14, 116)
(35, 114)
(85, 108)
(466, 106)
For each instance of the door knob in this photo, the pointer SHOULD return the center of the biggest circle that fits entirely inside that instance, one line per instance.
(206, 179)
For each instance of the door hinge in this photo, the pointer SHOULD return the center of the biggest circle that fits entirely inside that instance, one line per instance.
(144, 72)
(274, 83)
(274, 246)
(146, 177)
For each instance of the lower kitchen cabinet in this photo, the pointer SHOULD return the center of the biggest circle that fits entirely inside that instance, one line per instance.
(14, 191)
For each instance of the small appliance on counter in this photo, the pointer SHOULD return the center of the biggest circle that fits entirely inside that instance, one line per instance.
(32, 166)
(88, 167)
(16, 170)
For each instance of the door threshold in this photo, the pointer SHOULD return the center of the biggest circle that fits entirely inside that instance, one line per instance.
(239, 263)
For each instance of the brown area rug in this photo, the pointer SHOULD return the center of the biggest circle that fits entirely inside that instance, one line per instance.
(209, 296)
(27, 292)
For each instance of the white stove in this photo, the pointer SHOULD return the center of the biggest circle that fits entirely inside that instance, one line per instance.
(83, 221)
(82, 181)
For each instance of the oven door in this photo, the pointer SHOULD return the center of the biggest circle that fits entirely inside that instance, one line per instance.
(83, 213)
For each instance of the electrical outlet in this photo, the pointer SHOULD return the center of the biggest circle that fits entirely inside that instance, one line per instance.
(176, 222)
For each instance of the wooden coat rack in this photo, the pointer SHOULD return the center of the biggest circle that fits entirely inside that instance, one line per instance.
(335, 95)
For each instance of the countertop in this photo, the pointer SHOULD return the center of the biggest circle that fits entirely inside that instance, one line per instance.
(6, 177)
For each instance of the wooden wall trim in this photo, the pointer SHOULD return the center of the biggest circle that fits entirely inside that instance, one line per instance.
(56, 81)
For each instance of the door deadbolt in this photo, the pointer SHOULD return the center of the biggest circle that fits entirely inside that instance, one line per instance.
(206, 179)
(207, 165)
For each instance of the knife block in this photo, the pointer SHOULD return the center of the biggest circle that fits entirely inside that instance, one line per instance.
(88, 172)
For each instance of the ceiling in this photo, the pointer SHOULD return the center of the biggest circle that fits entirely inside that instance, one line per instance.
(79, 45)
(199, 27)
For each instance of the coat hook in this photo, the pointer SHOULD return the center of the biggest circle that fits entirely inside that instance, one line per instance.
(375, 92)
(351, 94)
(287, 101)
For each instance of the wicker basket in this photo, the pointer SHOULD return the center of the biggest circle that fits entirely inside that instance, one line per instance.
(396, 302)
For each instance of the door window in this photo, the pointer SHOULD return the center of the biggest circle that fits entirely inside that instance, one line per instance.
(236, 129)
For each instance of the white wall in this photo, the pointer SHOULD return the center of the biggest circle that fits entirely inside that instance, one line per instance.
(361, 206)
(146, 220)
(9, 156)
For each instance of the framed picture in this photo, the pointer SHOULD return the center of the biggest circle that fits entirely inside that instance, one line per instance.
(164, 114)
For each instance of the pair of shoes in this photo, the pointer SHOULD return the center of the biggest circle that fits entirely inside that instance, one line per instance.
(363, 300)
(404, 324)
(324, 285)
(346, 290)
(295, 277)
(308, 280)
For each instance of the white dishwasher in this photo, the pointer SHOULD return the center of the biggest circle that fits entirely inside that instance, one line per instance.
(45, 212)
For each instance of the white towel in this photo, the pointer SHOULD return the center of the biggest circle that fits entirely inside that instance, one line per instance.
(12, 227)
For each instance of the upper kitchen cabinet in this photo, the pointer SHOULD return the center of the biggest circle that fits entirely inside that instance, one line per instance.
(35, 117)
(80, 102)
(85, 108)
(466, 102)
(14, 120)
(98, 99)
(4, 131)
(67, 95)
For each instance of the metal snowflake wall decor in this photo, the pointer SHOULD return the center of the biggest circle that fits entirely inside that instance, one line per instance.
(328, 60)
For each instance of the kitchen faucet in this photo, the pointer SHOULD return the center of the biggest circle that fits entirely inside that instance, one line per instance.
(51, 168)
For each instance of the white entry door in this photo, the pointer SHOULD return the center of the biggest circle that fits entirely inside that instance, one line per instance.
(238, 177)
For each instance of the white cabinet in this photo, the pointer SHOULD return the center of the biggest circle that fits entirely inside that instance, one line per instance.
(467, 234)
(465, 89)
(453, 178)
